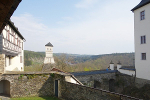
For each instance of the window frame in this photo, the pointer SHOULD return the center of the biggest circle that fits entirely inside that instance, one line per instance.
(143, 39)
(142, 15)
(143, 56)
(21, 59)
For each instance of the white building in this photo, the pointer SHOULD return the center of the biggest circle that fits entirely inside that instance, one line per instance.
(49, 59)
(142, 39)
(11, 49)
(128, 70)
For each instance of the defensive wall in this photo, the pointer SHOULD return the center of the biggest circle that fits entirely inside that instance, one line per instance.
(28, 84)
(52, 84)
(72, 91)
(110, 80)
(98, 79)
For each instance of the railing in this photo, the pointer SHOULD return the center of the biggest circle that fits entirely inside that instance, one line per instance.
(11, 46)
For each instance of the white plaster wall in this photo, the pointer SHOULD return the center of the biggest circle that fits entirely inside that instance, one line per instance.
(48, 60)
(118, 67)
(128, 72)
(49, 55)
(70, 79)
(112, 66)
(142, 27)
(49, 51)
(15, 61)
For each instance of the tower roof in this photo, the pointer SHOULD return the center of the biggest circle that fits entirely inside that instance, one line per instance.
(141, 4)
(49, 44)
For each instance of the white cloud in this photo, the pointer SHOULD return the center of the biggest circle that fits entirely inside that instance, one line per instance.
(85, 3)
(107, 29)
(67, 18)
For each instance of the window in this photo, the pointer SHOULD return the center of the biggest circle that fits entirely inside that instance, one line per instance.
(9, 61)
(22, 45)
(143, 39)
(20, 59)
(143, 56)
(142, 15)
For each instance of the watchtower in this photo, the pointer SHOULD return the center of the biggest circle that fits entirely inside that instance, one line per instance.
(49, 54)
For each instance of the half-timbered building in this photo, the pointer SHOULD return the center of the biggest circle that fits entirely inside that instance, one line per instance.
(11, 49)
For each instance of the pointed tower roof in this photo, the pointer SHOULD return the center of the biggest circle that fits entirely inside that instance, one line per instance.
(141, 4)
(111, 62)
(49, 44)
(119, 63)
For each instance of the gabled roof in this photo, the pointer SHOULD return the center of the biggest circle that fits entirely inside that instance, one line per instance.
(15, 28)
(132, 68)
(58, 70)
(7, 8)
(141, 4)
(93, 72)
(49, 44)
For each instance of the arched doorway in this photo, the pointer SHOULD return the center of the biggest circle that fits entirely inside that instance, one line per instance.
(97, 84)
(5, 87)
(112, 85)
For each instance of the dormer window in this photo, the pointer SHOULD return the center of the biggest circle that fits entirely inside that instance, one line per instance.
(142, 15)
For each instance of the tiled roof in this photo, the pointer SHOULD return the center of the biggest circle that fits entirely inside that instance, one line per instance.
(49, 44)
(58, 70)
(142, 3)
(128, 68)
(15, 28)
(93, 72)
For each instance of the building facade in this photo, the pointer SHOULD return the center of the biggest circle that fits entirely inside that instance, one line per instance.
(49, 59)
(142, 39)
(11, 49)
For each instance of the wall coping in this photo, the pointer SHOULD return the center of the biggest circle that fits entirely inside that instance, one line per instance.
(19, 72)
(121, 95)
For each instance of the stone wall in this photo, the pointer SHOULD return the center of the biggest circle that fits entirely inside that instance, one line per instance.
(72, 91)
(141, 82)
(31, 84)
(103, 79)
(2, 63)
(42, 84)
(122, 81)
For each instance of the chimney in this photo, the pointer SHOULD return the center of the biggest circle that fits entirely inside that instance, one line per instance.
(119, 66)
(111, 65)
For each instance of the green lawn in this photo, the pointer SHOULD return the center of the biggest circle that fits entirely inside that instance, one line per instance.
(35, 98)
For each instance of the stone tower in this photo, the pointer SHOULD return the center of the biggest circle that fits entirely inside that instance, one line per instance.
(49, 59)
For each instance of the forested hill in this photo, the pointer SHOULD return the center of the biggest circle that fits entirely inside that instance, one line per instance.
(82, 60)
(97, 62)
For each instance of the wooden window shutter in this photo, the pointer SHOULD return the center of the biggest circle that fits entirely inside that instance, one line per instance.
(20, 59)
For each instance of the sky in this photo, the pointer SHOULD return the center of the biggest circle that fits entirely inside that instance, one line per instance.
(77, 26)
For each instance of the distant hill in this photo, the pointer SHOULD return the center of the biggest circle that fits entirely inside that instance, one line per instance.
(97, 62)
(82, 62)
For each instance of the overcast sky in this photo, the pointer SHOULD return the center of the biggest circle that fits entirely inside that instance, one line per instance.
(77, 26)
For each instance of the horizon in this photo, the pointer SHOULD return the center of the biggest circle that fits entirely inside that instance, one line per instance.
(81, 54)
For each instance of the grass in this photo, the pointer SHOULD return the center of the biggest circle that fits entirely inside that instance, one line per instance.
(35, 98)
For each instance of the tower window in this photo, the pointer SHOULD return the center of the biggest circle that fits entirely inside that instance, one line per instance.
(143, 39)
(143, 56)
(142, 15)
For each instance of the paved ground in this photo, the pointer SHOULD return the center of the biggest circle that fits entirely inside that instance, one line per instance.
(4, 98)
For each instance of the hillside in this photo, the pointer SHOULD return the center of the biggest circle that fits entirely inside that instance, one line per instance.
(102, 61)
(75, 62)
